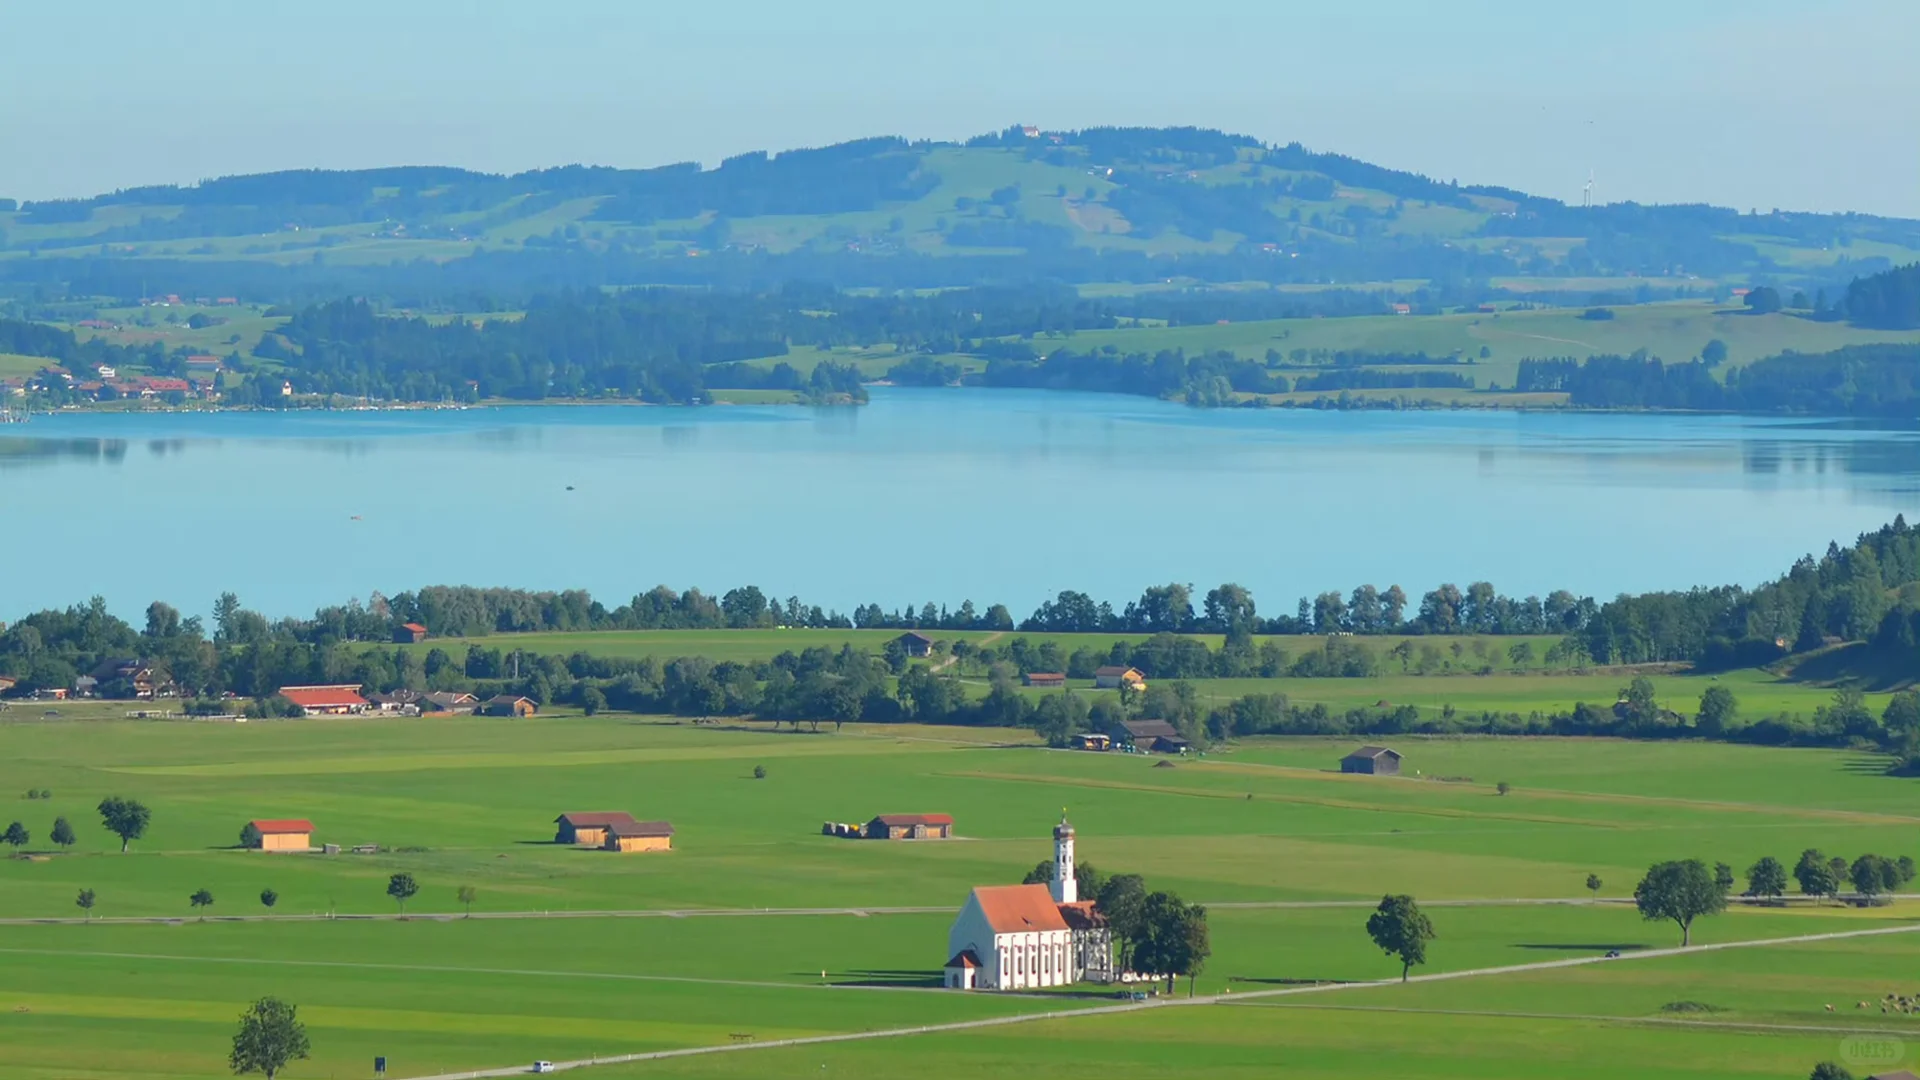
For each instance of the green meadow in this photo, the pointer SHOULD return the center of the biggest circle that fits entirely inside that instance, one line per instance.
(756, 927)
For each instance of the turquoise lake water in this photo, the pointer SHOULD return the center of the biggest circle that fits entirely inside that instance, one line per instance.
(938, 495)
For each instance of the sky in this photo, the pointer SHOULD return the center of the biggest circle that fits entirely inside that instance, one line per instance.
(1760, 104)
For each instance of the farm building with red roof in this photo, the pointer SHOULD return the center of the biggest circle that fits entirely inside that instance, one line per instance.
(341, 700)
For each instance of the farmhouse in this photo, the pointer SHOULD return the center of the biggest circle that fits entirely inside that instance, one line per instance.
(409, 634)
(341, 700)
(1372, 761)
(638, 836)
(1016, 937)
(588, 828)
(1155, 736)
(1051, 679)
(280, 834)
(911, 827)
(127, 677)
(1111, 677)
(509, 705)
(448, 701)
(914, 643)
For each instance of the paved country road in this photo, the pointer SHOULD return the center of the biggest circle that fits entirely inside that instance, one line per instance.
(1166, 1003)
(704, 913)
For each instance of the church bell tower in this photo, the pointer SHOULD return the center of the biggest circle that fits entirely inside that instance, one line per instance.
(1065, 889)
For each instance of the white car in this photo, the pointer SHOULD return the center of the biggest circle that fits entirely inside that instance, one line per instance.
(543, 1067)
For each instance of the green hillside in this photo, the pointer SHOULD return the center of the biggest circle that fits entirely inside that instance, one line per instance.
(1103, 206)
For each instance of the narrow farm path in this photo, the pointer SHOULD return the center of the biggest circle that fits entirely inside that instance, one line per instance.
(706, 913)
(1170, 1003)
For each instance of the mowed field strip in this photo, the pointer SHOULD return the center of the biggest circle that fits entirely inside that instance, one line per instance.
(758, 930)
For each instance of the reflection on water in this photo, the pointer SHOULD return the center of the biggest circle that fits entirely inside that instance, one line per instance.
(1004, 496)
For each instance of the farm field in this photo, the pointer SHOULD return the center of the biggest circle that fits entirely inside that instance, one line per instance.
(1674, 331)
(1264, 824)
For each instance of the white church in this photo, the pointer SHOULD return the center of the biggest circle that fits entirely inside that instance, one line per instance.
(1019, 937)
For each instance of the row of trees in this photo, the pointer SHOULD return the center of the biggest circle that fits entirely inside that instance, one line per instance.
(1856, 380)
(1684, 890)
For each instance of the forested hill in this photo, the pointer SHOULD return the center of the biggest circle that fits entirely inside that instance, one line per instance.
(1103, 204)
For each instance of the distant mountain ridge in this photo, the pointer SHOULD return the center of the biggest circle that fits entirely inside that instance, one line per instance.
(1110, 203)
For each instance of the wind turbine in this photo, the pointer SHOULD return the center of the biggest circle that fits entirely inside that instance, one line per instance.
(1586, 198)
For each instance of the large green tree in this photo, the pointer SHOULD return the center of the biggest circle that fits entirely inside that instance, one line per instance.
(402, 888)
(124, 818)
(1681, 891)
(1766, 879)
(1814, 872)
(1401, 930)
(270, 1036)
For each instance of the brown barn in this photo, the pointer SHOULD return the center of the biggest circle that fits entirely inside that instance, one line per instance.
(282, 834)
(509, 705)
(1372, 761)
(638, 836)
(915, 644)
(1049, 679)
(588, 828)
(409, 634)
(1154, 736)
(911, 827)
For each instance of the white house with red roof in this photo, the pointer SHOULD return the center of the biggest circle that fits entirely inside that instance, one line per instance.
(340, 700)
(1021, 937)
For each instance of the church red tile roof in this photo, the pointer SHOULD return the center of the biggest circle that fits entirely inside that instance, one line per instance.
(1019, 909)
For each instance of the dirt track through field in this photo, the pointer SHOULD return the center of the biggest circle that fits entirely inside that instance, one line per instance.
(1164, 1003)
(711, 913)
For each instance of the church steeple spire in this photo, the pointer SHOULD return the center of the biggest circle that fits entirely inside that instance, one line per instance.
(1065, 889)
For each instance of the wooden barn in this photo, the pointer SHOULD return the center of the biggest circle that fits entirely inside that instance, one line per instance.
(1372, 761)
(915, 643)
(588, 829)
(911, 827)
(280, 834)
(638, 836)
(1049, 679)
(1112, 676)
(409, 634)
(509, 705)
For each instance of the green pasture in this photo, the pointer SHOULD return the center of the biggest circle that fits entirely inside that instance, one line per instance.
(470, 801)
(1675, 331)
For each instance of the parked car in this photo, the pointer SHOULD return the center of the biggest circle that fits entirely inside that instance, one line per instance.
(1613, 954)
(543, 1067)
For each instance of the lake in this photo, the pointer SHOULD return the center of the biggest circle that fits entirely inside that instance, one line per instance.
(938, 495)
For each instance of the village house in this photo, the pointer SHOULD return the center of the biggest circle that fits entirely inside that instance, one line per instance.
(127, 677)
(402, 701)
(1092, 741)
(448, 701)
(509, 705)
(910, 827)
(409, 634)
(1403, 309)
(638, 836)
(1152, 736)
(340, 700)
(280, 834)
(588, 829)
(1111, 676)
(1372, 761)
(1018, 937)
(1049, 679)
(914, 643)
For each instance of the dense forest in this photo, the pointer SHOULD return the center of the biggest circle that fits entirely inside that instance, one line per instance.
(1858, 380)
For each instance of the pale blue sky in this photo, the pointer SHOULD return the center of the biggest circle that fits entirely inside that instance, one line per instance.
(1754, 103)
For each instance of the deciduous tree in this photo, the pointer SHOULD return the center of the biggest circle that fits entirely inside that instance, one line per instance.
(1766, 879)
(270, 1036)
(124, 818)
(1682, 890)
(402, 888)
(1401, 930)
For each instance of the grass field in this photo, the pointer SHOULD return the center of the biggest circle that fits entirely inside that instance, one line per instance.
(470, 801)
(1674, 331)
